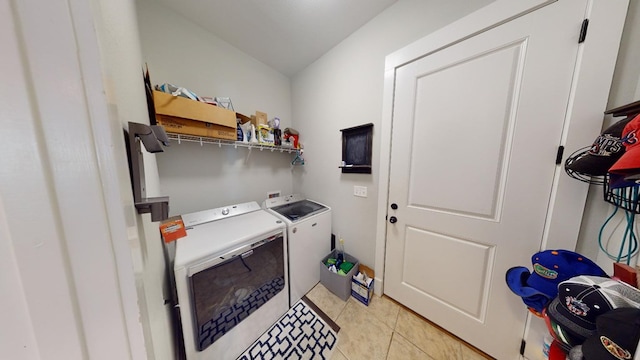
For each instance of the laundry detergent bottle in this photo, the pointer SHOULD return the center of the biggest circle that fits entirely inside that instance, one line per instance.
(239, 132)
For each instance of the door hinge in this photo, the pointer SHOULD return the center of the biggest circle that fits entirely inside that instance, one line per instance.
(559, 155)
(523, 344)
(583, 31)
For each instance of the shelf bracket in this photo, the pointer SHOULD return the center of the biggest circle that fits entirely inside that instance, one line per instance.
(152, 138)
(246, 160)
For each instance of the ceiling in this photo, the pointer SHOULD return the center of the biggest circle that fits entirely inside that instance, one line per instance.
(287, 35)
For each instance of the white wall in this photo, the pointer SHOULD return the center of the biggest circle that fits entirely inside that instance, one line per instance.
(344, 89)
(350, 75)
(184, 54)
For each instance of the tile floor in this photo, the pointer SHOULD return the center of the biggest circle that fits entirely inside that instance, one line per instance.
(387, 330)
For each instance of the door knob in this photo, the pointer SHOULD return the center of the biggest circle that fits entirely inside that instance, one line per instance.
(393, 219)
(394, 206)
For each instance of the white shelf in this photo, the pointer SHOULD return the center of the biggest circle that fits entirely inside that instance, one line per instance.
(220, 142)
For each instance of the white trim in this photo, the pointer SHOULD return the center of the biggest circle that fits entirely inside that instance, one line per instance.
(583, 121)
(592, 82)
(39, 313)
(483, 19)
(112, 166)
(65, 209)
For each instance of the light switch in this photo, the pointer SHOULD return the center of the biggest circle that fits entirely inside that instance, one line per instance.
(360, 191)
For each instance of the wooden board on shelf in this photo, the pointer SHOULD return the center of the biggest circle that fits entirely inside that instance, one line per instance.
(196, 128)
(189, 117)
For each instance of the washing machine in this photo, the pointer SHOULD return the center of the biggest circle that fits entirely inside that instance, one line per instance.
(231, 279)
(308, 239)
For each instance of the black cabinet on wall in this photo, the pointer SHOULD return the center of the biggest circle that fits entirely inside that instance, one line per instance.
(356, 149)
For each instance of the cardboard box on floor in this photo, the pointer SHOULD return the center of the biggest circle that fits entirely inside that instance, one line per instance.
(361, 290)
(184, 116)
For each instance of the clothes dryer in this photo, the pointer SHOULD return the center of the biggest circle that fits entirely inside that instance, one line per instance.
(231, 279)
(308, 239)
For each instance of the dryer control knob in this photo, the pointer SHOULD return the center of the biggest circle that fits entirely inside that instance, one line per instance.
(225, 211)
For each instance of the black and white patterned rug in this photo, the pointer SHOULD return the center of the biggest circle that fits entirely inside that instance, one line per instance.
(299, 334)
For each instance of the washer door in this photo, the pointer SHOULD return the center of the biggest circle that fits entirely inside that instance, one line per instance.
(299, 209)
(226, 293)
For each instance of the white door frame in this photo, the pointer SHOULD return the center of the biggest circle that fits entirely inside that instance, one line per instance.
(65, 200)
(583, 120)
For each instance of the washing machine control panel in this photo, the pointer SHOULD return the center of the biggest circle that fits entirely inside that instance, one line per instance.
(282, 200)
(205, 216)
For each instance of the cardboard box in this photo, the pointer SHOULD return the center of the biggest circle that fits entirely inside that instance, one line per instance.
(363, 290)
(184, 116)
(196, 128)
(259, 118)
(338, 284)
(243, 118)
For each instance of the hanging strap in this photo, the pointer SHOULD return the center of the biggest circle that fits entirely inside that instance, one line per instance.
(298, 159)
(629, 232)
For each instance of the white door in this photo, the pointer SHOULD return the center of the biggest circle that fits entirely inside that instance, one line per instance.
(475, 131)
